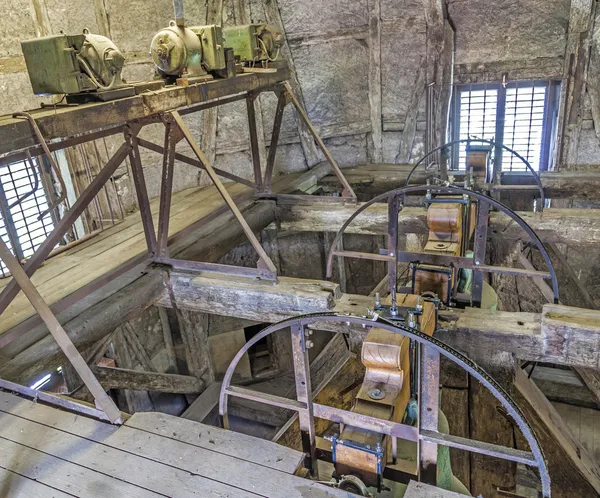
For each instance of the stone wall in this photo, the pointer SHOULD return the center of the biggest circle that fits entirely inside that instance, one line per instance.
(337, 48)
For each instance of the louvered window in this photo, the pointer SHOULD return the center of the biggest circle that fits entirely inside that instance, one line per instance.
(520, 115)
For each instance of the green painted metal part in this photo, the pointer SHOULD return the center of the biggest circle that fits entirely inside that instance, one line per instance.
(244, 42)
(52, 65)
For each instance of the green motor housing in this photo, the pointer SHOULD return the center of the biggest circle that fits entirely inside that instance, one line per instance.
(70, 64)
(191, 51)
(253, 42)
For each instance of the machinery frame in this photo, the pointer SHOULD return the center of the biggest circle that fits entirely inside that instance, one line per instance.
(64, 129)
(425, 434)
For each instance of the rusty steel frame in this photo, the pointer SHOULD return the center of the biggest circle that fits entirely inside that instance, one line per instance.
(477, 264)
(156, 240)
(103, 400)
(426, 433)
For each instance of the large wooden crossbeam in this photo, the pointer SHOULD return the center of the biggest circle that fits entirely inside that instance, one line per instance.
(560, 334)
(573, 226)
(378, 178)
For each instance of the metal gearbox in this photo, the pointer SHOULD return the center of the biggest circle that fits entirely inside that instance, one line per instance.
(253, 42)
(192, 52)
(76, 64)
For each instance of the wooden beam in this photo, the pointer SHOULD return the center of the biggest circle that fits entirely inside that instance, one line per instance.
(561, 334)
(273, 17)
(375, 137)
(563, 385)
(204, 403)
(572, 471)
(376, 179)
(570, 226)
(123, 378)
(247, 298)
(85, 329)
(193, 328)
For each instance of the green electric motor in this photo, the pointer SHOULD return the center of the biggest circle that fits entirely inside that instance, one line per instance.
(253, 42)
(181, 51)
(84, 65)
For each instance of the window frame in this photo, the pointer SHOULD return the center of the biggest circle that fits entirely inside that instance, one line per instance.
(551, 106)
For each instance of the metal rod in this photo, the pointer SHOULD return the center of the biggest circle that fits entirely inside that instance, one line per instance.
(59, 334)
(393, 206)
(254, 141)
(282, 101)
(348, 192)
(300, 347)
(35, 261)
(53, 165)
(223, 191)
(36, 181)
(194, 162)
(142, 192)
(429, 401)
(166, 188)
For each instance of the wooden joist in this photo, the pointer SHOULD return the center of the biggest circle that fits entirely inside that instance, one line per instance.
(572, 471)
(379, 178)
(123, 378)
(561, 334)
(573, 226)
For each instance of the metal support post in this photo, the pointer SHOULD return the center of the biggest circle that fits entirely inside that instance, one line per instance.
(429, 402)
(172, 136)
(102, 399)
(483, 214)
(393, 206)
(282, 101)
(301, 343)
(254, 140)
(141, 192)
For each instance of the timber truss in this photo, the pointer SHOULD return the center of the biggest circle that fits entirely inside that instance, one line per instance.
(74, 125)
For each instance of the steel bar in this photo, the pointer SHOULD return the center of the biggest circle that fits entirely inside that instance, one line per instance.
(480, 243)
(300, 347)
(432, 348)
(142, 194)
(53, 166)
(35, 261)
(166, 189)
(254, 141)
(348, 192)
(271, 399)
(9, 224)
(353, 419)
(429, 403)
(102, 399)
(281, 103)
(36, 150)
(450, 190)
(194, 162)
(493, 450)
(364, 255)
(224, 194)
(392, 244)
(51, 399)
(200, 267)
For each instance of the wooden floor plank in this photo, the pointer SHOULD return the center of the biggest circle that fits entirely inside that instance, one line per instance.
(61, 276)
(14, 485)
(204, 404)
(212, 470)
(58, 473)
(230, 443)
(85, 442)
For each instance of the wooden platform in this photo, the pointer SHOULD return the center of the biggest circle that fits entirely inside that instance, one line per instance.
(98, 259)
(45, 452)
(71, 270)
